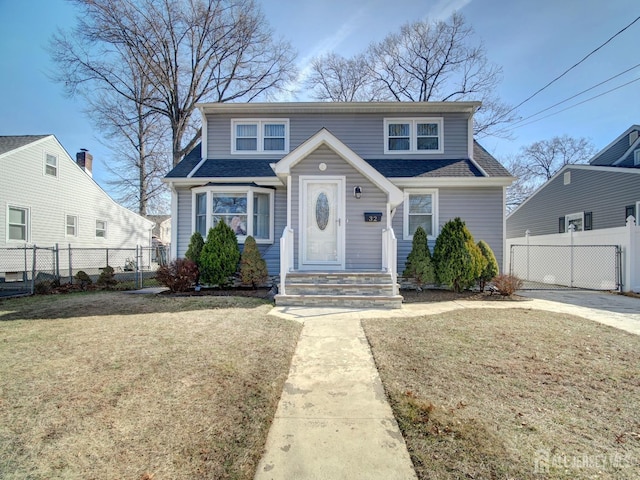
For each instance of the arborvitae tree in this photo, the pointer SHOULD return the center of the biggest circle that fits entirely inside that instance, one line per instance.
(458, 261)
(419, 265)
(220, 256)
(253, 268)
(491, 269)
(196, 242)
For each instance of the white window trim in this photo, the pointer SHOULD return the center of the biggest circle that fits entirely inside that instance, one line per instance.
(259, 122)
(76, 225)
(413, 135)
(636, 157)
(106, 229)
(434, 213)
(573, 216)
(242, 190)
(28, 224)
(45, 164)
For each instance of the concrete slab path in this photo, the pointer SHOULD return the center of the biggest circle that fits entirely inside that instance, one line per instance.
(333, 420)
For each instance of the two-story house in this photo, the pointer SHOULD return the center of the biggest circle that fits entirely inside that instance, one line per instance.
(333, 192)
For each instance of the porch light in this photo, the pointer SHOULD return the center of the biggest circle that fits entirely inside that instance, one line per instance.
(357, 192)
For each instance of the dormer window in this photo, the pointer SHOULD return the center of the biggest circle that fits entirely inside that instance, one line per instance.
(413, 135)
(636, 158)
(260, 136)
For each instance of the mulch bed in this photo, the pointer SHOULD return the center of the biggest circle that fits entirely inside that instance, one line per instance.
(410, 296)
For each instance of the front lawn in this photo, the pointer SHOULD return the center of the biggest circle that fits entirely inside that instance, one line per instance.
(118, 385)
(515, 393)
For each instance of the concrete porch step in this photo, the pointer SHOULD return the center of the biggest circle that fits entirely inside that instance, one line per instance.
(340, 289)
(380, 278)
(347, 301)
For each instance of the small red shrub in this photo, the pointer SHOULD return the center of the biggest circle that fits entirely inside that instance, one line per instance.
(179, 275)
(507, 285)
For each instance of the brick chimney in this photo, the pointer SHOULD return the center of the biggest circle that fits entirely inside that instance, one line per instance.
(85, 160)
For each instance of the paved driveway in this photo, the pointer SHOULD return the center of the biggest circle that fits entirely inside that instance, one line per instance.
(611, 302)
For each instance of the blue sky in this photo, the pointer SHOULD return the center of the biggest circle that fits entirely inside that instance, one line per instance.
(533, 42)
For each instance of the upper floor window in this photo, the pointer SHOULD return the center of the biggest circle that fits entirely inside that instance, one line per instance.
(636, 158)
(101, 229)
(260, 136)
(18, 224)
(72, 226)
(420, 210)
(51, 165)
(247, 210)
(413, 135)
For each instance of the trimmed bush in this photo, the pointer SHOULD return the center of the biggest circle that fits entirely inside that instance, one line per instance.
(107, 278)
(458, 261)
(83, 279)
(196, 242)
(220, 256)
(491, 267)
(507, 285)
(419, 265)
(253, 268)
(180, 275)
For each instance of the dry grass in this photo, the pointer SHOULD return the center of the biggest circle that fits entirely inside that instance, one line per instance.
(512, 394)
(115, 385)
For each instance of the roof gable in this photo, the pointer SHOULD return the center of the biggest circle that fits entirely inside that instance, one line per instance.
(9, 143)
(326, 138)
(617, 151)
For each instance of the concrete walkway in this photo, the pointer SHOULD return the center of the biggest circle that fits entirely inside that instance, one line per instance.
(333, 420)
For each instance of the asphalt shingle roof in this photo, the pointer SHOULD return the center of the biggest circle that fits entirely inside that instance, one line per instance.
(187, 164)
(11, 142)
(390, 168)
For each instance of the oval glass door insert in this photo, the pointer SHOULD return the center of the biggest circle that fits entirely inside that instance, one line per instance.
(322, 211)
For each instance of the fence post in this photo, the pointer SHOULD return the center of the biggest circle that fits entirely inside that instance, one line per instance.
(56, 262)
(632, 263)
(25, 277)
(571, 230)
(33, 271)
(70, 267)
(527, 233)
(107, 253)
(137, 271)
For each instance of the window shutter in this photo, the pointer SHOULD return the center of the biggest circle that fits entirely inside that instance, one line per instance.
(629, 210)
(561, 225)
(588, 220)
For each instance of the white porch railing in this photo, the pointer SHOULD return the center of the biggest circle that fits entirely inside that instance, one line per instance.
(390, 256)
(286, 256)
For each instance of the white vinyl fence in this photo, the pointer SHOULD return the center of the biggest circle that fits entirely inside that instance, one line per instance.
(584, 259)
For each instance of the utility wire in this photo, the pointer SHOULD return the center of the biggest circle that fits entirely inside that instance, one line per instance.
(516, 124)
(570, 68)
(580, 103)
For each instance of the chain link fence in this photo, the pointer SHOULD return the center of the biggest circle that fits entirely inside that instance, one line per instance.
(23, 268)
(546, 267)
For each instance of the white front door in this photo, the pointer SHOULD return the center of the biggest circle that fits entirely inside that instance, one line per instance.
(322, 223)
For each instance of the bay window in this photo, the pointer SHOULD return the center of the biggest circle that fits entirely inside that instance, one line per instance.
(247, 210)
(420, 210)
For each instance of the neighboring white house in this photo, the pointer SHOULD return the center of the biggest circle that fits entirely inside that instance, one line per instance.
(47, 198)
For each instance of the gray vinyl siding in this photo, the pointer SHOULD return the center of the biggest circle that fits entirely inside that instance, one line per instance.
(613, 153)
(363, 241)
(50, 199)
(184, 222)
(270, 252)
(480, 209)
(363, 133)
(604, 193)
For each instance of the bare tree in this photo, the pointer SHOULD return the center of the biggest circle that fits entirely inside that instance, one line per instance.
(188, 50)
(424, 61)
(338, 79)
(540, 161)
